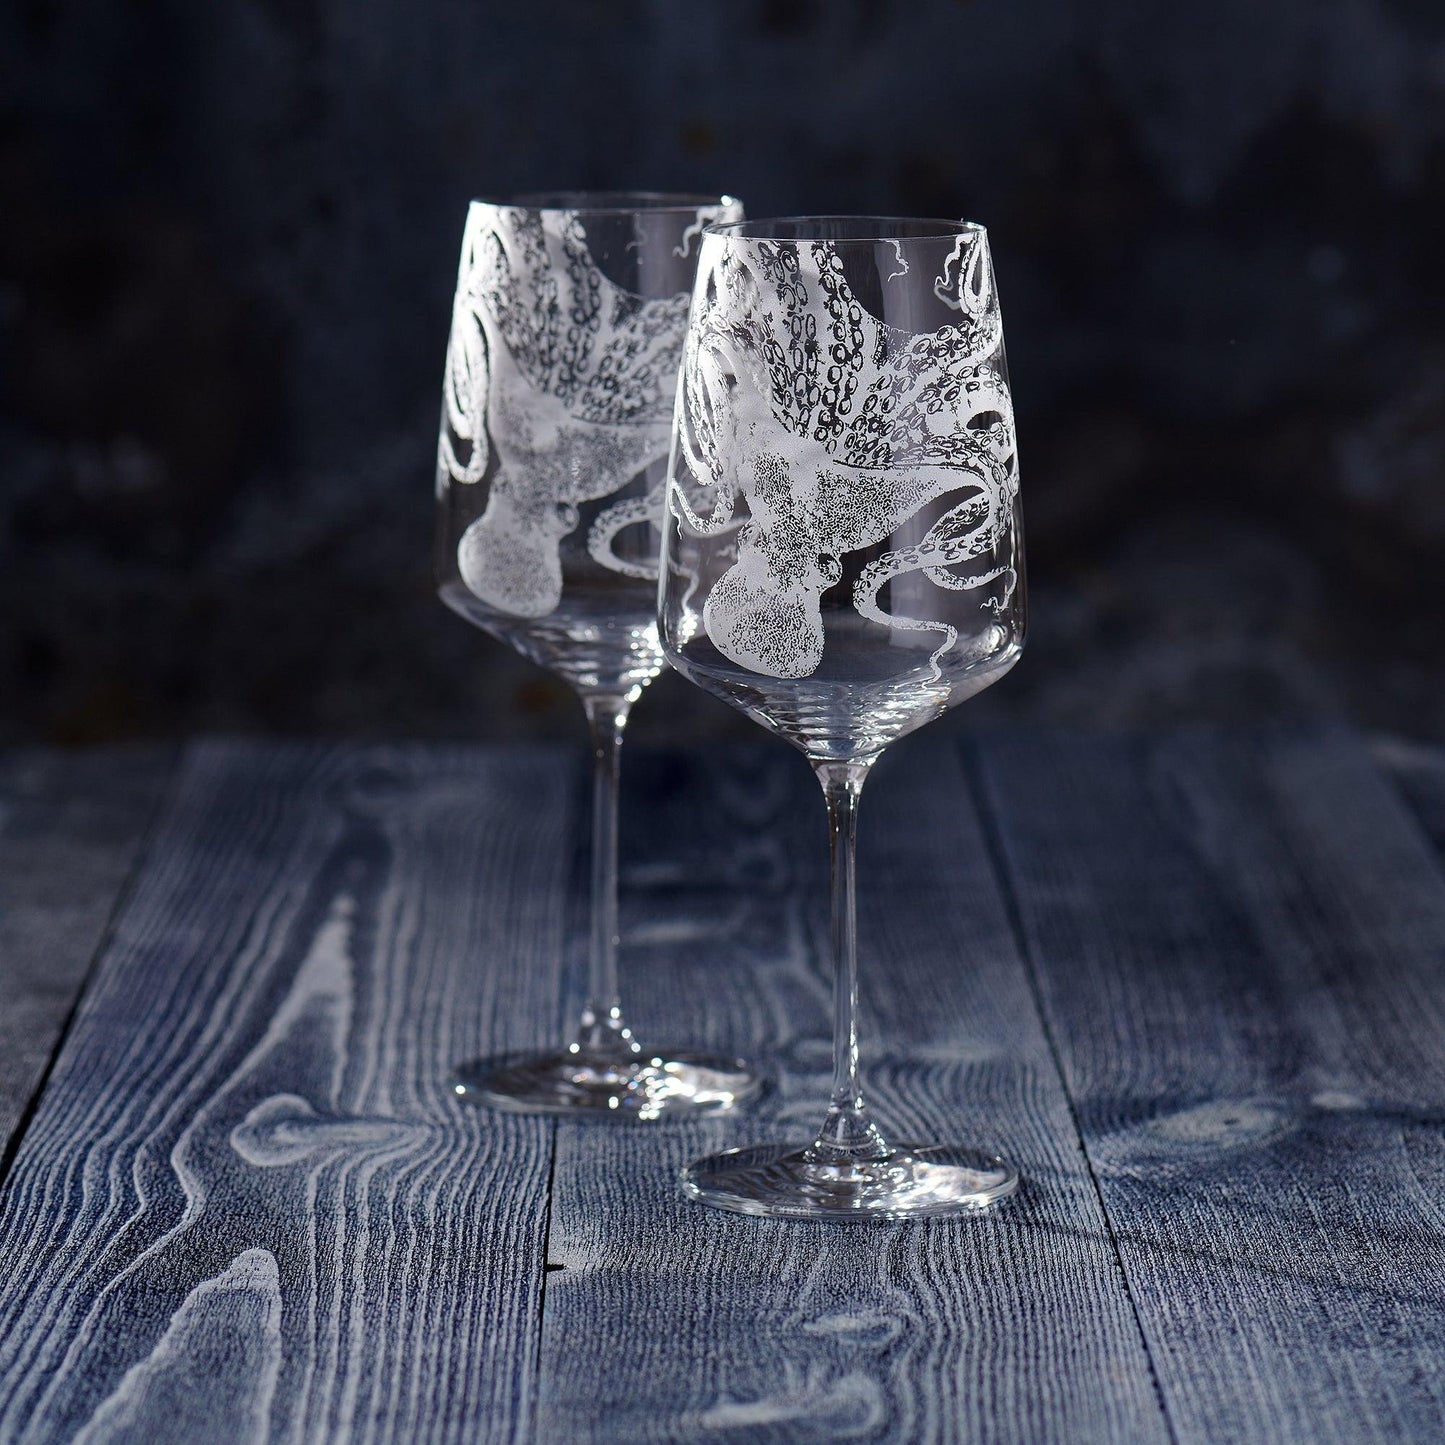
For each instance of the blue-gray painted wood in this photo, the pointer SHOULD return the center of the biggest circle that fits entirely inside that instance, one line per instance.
(248, 1207)
(667, 1322)
(71, 828)
(1240, 949)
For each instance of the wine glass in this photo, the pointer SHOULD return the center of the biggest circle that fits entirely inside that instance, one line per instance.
(842, 561)
(567, 332)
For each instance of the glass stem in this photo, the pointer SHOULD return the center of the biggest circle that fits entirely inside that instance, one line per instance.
(848, 1135)
(602, 1029)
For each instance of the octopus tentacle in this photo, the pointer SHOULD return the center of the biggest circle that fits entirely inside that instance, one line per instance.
(696, 432)
(617, 518)
(943, 547)
(464, 403)
(464, 388)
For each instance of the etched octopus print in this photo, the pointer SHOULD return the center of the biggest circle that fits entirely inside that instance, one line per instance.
(559, 390)
(836, 429)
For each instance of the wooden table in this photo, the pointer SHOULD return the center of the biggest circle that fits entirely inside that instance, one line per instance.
(1191, 984)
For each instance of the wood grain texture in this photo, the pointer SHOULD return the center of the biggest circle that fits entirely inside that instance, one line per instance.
(71, 827)
(1240, 945)
(664, 1321)
(248, 1206)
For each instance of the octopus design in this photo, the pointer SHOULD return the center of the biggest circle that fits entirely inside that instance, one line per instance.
(568, 380)
(836, 429)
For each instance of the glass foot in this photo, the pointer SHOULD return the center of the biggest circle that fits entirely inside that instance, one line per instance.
(641, 1086)
(786, 1181)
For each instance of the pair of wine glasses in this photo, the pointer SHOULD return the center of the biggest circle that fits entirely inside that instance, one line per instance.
(778, 455)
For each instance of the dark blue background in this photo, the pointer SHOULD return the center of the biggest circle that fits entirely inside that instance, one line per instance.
(228, 236)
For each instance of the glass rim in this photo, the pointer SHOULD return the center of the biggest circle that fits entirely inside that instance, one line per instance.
(872, 230)
(606, 203)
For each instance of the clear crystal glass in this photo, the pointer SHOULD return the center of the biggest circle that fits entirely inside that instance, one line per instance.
(843, 561)
(567, 331)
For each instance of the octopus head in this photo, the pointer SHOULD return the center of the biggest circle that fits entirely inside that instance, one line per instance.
(770, 620)
(510, 557)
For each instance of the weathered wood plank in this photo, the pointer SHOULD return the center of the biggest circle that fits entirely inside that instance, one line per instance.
(248, 1207)
(71, 826)
(667, 1321)
(1418, 772)
(1240, 945)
